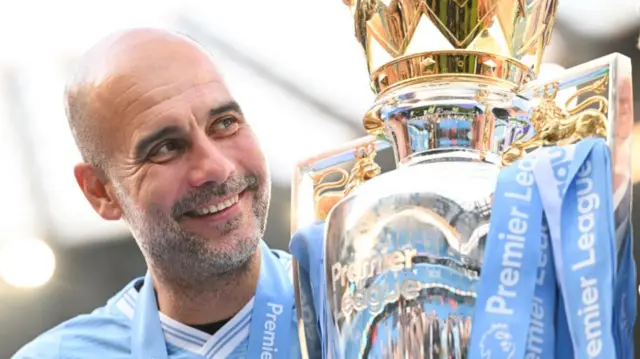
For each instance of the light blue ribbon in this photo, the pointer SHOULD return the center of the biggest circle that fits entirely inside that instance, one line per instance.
(541, 336)
(589, 299)
(270, 330)
(510, 269)
(584, 251)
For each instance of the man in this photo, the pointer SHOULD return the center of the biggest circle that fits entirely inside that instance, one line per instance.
(168, 150)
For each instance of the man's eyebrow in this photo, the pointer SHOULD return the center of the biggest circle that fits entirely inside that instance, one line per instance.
(228, 107)
(143, 145)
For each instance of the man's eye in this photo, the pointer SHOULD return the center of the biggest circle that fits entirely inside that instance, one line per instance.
(225, 126)
(167, 148)
(166, 151)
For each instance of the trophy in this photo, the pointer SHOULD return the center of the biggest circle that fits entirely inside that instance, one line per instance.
(458, 98)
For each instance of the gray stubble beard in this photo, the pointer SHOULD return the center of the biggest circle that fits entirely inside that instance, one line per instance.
(188, 262)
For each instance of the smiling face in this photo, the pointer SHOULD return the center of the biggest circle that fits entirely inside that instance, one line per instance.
(185, 170)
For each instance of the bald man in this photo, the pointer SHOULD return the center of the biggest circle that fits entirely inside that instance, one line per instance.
(167, 149)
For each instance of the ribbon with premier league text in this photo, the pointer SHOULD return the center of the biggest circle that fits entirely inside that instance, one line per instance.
(271, 321)
(517, 287)
(550, 262)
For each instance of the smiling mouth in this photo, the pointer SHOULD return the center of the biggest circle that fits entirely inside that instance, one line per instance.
(214, 208)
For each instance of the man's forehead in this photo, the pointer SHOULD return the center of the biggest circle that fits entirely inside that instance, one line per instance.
(130, 94)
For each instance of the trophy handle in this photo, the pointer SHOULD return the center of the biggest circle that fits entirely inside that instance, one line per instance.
(313, 196)
(555, 125)
(604, 107)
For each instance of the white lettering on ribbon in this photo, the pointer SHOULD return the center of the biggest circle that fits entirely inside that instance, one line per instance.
(535, 340)
(589, 309)
(513, 242)
(269, 334)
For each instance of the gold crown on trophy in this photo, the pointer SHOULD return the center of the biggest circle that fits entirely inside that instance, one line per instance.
(491, 41)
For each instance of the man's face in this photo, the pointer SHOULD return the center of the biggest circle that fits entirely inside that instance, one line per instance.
(187, 169)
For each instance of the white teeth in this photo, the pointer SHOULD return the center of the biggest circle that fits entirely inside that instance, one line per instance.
(219, 207)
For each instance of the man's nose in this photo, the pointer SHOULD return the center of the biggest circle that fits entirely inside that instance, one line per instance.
(208, 163)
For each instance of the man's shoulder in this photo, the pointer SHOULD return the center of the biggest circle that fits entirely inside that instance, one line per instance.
(85, 336)
(105, 332)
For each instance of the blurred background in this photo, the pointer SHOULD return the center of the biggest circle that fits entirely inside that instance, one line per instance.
(293, 65)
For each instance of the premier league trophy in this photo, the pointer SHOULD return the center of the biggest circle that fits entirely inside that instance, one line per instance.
(458, 100)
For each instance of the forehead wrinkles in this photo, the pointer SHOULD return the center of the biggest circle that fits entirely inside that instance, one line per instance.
(128, 97)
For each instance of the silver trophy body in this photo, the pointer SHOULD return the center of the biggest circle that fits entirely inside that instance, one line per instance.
(403, 252)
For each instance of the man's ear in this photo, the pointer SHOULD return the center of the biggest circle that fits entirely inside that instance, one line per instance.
(95, 187)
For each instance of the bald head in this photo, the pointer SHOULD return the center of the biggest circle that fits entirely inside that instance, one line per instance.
(118, 63)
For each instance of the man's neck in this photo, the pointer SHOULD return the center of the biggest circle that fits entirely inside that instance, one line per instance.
(221, 299)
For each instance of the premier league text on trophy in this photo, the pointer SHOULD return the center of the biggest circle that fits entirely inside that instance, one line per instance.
(375, 296)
